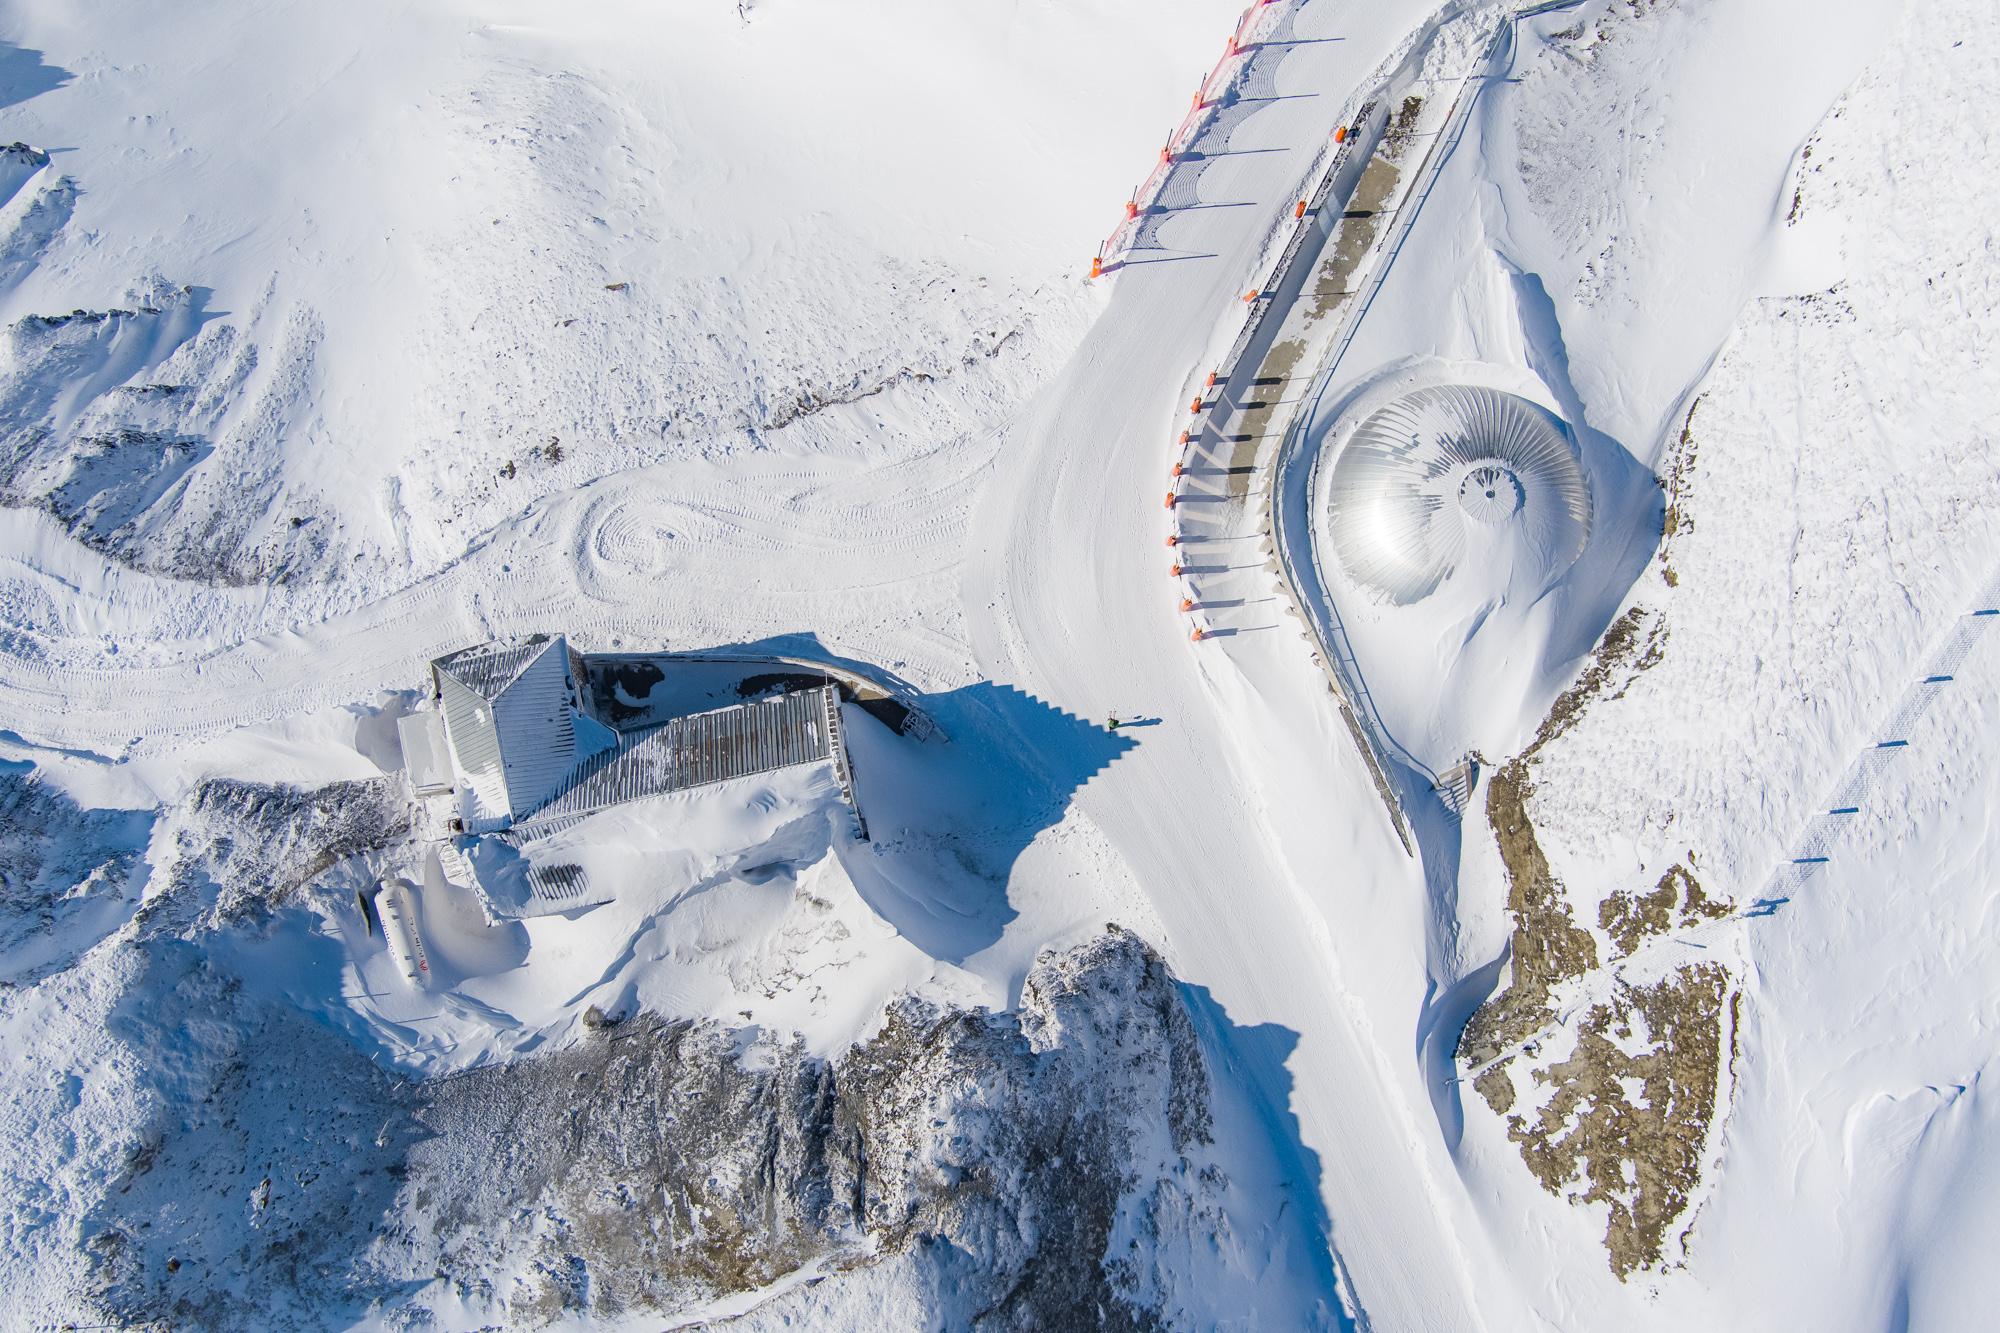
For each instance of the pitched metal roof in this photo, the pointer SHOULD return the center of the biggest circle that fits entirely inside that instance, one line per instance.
(694, 751)
(489, 668)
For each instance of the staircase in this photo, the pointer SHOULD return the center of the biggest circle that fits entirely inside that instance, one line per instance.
(842, 767)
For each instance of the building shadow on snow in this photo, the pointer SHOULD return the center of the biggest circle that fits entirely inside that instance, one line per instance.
(948, 821)
(949, 818)
(24, 74)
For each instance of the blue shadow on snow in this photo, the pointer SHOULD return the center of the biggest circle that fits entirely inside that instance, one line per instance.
(1250, 1063)
(947, 820)
(24, 74)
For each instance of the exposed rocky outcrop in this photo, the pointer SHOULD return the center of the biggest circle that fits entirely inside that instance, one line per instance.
(1631, 918)
(1614, 1103)
(66, 873)
(258, 1150)
(1626, 1118)
(238, 846)
(659, 1165)
(1046, 1167)
(1548, 946)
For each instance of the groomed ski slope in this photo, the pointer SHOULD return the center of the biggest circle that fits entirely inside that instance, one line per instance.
(1246, 814)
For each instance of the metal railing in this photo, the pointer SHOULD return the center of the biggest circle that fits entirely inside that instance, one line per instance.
(1321, 614)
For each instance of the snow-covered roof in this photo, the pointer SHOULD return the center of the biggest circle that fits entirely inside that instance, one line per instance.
(425, 758)
(697, 750)
(489, 668)
(514, 888)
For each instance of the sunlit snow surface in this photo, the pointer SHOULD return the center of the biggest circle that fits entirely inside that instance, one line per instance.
(711, 324)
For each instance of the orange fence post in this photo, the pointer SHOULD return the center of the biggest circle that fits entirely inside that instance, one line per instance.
(1171, 497)
(1340, 134)
(1187, 605)
(1196, 636)
(1175, 571)
(1195, 406)
(1300, 211)
(1173, 539)
(1097, 267)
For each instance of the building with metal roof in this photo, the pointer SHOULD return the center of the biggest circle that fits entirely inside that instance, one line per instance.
(519, 747)
(519, 722)
(797, 727)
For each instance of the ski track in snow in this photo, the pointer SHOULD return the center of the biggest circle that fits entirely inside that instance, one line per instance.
(639, 562)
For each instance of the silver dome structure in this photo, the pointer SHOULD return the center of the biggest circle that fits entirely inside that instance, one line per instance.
(1452, 470)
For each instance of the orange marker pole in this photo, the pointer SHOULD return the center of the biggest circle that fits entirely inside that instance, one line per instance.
(1171, 497)
(1174, 571)
(1300, 211)
(1196, 636)
(1187, 605)
(1194, 408)
(1173, 539)
(1097, 267)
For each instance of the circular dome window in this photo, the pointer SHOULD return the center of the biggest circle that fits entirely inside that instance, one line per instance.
(1445, 470)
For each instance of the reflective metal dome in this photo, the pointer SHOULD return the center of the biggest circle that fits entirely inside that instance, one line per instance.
(1450, 469)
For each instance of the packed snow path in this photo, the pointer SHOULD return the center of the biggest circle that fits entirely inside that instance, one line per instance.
(1269, 392)
(1294, 467)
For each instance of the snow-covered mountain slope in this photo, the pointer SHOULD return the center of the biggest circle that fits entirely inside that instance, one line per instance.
(223, 1159)
(336, 338)
(1805, 642)
(415, 269)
